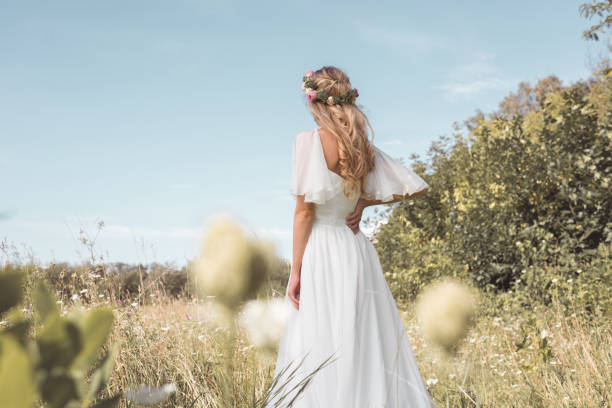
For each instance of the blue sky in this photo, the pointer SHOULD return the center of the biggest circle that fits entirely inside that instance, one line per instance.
(154, 115)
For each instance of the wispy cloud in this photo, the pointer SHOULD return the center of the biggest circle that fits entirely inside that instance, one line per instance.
(478, 76)
(274, 233)
(150, 233)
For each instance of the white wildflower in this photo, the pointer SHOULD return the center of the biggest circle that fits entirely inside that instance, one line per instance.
(147, 395)
(431, 381)
(544, 334)
(446, 312)
(231, 266)
(265, 322)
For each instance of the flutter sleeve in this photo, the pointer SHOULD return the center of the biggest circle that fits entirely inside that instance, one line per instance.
(310, 175)
(389, 177)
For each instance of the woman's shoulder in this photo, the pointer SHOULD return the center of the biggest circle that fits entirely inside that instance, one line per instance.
(307, 134)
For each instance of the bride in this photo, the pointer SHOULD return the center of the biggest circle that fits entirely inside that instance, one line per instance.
(346, 327)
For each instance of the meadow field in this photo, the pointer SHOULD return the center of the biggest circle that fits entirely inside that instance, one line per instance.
(512, 356)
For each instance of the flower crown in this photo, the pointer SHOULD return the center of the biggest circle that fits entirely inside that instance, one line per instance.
(310, 88)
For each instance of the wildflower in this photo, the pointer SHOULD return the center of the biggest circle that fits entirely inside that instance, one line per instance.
(119, 302)
(83, 291)
(431, 381)
(265, 321)
(188, 317)
(134, 304)
(74, 297)
(165, 328)
(231, 267)
(147, 395)
(544, 334)
(446, 311)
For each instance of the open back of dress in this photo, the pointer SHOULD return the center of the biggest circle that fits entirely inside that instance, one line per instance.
(346, 310)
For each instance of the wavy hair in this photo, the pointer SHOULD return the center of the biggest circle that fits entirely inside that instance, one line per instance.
(348, 124)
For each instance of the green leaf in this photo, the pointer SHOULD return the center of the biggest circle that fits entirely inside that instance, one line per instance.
(100, 377)
(17, 388)
(18, 330)
(59, 389)
(44, 301)
(10, 290)
(59, 343)
(97, 326)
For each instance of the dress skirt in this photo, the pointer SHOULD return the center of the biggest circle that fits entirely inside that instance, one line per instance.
(347, 313)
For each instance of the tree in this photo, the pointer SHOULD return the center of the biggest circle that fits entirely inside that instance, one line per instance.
(601, 9)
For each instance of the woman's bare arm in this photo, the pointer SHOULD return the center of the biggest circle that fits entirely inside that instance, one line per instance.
(396, 199)
(302, 225)
(353, 219)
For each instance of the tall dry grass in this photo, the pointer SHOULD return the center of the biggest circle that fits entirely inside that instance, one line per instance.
(177, 341)
(537, 357)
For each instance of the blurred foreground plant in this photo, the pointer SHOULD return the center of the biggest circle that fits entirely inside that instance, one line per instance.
(52, 366)
(58, 366)
(446, 311)
(230, 269)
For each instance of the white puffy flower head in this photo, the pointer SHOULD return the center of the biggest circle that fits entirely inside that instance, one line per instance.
(265, 321)
(446, 311)
(231, 266)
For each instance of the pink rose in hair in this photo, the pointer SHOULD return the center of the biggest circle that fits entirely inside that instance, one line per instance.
(312, 95)
(309, 73)
(356, 92)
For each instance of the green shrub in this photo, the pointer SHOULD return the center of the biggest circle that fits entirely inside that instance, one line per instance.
(527, 188)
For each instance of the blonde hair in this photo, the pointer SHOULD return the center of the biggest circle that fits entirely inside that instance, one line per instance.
(347, 123)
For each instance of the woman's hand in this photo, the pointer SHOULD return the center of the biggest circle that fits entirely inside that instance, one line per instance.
(354, 218)
(294, 290)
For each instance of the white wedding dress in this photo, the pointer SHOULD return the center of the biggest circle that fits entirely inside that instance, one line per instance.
(346, 308)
